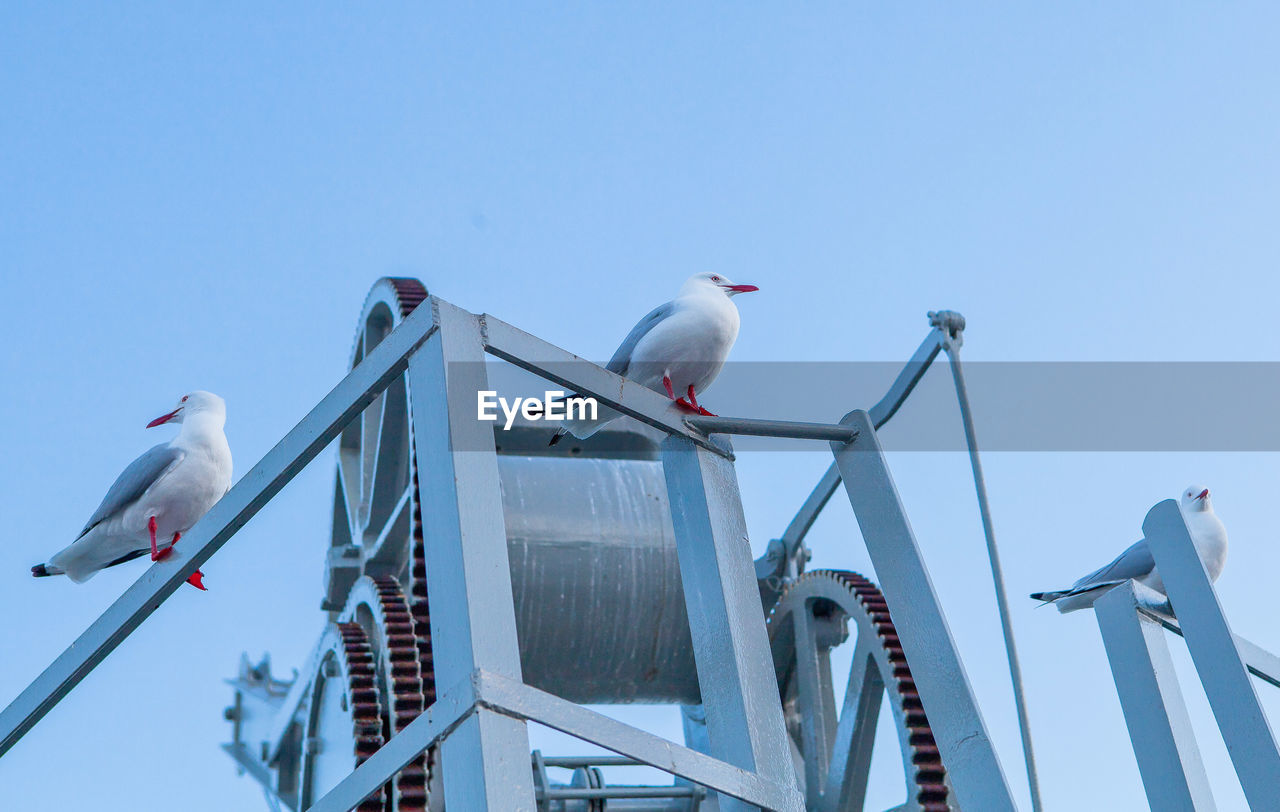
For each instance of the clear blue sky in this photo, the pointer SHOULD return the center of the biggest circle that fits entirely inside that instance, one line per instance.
(199, 197)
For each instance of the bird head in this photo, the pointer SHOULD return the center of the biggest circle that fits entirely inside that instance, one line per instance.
(1194, 499)
(191, 404)
(715, 282)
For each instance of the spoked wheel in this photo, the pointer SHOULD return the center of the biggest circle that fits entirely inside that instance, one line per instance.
(375, 574)
(810, 618)
(344, 721)
(374, 495)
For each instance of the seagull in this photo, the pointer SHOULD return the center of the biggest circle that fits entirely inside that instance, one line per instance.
(1136, 563)
(679, 347)
(160, 495)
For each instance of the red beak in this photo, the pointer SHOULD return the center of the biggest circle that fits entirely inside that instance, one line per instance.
(1203, 493)
(742, 288)
(164, 418)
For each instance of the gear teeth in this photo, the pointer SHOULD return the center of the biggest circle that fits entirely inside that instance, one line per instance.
(930, 777)
(410, 293)
(366, 709)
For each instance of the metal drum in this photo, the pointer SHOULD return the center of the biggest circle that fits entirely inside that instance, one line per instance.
(599, 605)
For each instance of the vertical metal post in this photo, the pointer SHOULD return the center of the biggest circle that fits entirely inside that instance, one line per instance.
(1159, 726)
(952, 345)
(726, 621)
(939, 674)
(473, 623)
(1223, 674)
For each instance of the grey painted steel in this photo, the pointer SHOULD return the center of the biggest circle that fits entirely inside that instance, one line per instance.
(508, 696)
(451, 708)
(473, 624)
(321, 425)
(1222, 672)
(837, 748)
(852, 745)
(581, 376)
(769, 428)
(1163, 740)
(952, 346)
(599, 604)
(948, 699)
(735, 670)
(880, 413)
(1261, 663)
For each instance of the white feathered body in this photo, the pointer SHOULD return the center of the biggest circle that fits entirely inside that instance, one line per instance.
(1207, 534)
(198, 478)
(690, 345)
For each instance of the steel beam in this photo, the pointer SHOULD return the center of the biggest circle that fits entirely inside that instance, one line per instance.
(451, 708)
(526, 702)
(301, 445)
(880, 413)
(1222, 672)
(473, 622)
(711, 424)
(1261, 663)
(957, 723)
(726, 621)
(1163, 740)
(579, 375)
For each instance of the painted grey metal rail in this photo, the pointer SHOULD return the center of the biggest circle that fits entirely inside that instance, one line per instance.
(479, 723)
(952, 326)
(1159, 727)
(788, 553)
(232, 512)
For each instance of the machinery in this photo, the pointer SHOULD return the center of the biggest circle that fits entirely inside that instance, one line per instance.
(478, 581)
(600, 615)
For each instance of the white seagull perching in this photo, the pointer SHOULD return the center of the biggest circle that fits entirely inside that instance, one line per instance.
(1136, 563)
(160, 495)
(678, 348)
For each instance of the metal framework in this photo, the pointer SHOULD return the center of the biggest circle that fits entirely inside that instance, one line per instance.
(479, 718)
(1132, 619)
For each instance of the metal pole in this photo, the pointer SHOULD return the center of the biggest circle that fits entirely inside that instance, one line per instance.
(726, 622)
(289, 456)
(948, 699)
(1231, 694)
(473, 619)
(1164, 742)
(952, 346)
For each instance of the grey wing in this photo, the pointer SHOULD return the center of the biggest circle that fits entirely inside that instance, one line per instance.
(134, 481)
(621, 359)
(1134, 562)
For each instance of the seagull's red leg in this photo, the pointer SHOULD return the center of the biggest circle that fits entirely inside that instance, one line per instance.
(693, 401)
(196, 578)
(671, 393)
(156, 553)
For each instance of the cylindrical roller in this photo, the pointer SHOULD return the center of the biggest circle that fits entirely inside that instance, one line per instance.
(599, 604)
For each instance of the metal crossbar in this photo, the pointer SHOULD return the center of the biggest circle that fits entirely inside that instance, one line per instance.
(479, 724)
(301, 445)
(1159, 727)
(519, 701)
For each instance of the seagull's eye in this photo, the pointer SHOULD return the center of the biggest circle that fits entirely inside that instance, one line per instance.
(716, 279)
(184, 399)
